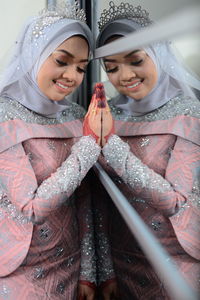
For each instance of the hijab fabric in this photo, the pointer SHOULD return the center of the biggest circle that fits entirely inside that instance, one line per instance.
(173, 78)
(31, 49)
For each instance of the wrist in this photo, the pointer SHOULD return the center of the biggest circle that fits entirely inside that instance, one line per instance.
(92, 285)
(106, 283)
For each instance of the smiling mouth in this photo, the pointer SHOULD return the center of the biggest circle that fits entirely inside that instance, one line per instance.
(65, 87)
(134, 85)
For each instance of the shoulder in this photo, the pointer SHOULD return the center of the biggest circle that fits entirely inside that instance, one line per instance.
(11, 110)
(177, 106)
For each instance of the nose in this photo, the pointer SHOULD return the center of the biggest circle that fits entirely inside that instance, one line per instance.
(70, 73)
(127, 72)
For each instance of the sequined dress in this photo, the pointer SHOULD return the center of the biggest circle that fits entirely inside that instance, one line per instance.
(46, 231)
(156, 164)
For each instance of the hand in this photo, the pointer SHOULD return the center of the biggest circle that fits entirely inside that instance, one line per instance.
(98, 121)
(110, 290)
(86, 291)
(92, 120)
(107, 123)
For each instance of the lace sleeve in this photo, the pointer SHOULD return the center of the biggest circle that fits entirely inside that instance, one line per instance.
(101, 199)
(20, 188)
(169, 194)
(86, 228)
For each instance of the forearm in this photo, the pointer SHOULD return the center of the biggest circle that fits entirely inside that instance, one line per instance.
(36, 202)
(143, 181)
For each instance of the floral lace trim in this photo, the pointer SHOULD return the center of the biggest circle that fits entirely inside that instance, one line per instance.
(177, 106)
(11, 211)
(65, 180)
(132, 170)
(10, 110)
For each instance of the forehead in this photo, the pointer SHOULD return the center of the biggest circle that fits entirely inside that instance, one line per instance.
(124, 55)
(71, 48)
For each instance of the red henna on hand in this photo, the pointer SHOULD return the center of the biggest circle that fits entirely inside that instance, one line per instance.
(98, 121)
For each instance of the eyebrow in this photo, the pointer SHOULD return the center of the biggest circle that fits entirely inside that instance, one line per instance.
(70, 54)
(126, 56)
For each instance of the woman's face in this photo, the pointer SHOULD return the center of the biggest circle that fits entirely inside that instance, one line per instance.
(63, 71)
(132, 73)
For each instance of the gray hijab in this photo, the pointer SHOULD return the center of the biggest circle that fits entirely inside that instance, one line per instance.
(38, 39)
(173, 78)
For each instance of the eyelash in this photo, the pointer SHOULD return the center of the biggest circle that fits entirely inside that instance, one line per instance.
(61, 63)
(132, 64)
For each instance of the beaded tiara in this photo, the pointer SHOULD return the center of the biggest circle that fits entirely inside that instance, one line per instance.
(124, 11)
(64, 10)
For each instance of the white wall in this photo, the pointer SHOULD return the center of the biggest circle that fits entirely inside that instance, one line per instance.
(13, 13)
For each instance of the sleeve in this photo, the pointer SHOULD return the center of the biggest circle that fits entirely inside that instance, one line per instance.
(86, 230)
(20, 193)
(101, 201)
(169, 194)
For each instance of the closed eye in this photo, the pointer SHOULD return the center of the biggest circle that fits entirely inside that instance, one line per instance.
(136, 63)
(61, 63)
(113, 70)
(81, 70)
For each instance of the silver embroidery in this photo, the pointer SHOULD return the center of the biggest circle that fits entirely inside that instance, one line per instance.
(195, 194)
(133, 171)
(104, 260)
(38, 273)
(10, 110)
(115, 152)
(61, 288)
(105, 265)
(30, 156)
(88, 257)
(156, 225)
(59, 251)
(144, 142)
(69, 262)
(44, 233)
(88, 261)
(65, 180)
(51, 145)
(179, 105)
(5, 291)
(11, 210)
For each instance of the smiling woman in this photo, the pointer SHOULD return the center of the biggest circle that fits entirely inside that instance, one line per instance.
(153, 157)
(132, 73)
(45, 211)
(64, 69)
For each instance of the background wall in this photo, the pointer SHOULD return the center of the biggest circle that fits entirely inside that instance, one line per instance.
(13, 13)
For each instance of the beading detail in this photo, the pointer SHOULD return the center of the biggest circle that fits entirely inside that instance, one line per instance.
(124, 11)
(64, 10)
(11, 110)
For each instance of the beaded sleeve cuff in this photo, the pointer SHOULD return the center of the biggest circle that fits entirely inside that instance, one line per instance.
(131, 169)
(84, 154)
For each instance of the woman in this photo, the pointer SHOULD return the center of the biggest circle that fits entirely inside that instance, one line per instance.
(46, 243)
(154, 158)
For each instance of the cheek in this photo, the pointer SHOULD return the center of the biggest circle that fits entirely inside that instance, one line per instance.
(42, 76)
(154, 77)
(80, 78)
(113, 78)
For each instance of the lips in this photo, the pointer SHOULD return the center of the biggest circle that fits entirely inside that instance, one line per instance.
(133, 85)
(62, 85)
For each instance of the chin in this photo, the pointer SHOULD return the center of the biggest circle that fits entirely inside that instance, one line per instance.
(58, 98)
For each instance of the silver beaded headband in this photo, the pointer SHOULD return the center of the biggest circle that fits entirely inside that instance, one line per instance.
(65, 10)
(124, 11)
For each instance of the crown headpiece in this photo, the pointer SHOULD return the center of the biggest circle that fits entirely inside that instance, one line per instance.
(49, 16)
(124, 11)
